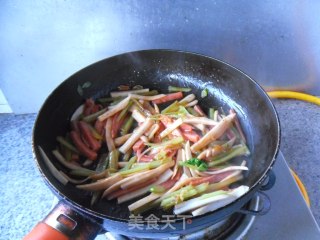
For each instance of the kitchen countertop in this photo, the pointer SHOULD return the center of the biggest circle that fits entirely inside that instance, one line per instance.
(25, 199)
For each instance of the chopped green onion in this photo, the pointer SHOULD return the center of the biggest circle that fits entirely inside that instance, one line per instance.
(235, 151)
(138, 104)
(124, 111)
(137, 87)
(211, 113)
(171, 108)
(67, 144)
(157, 189)
(178, 89)
(215, 115)
(196, 164)
(103, 163)
(204, 93)
(171, 201)
(212, 194)
(150, 93)
(158, 163)
(134, 170)
(129, 164)
(94, 116)
(146, 207)
(82, 172)
(126, 126)
(127, 155)
(197, 202)
(182, 195)
(68, 154)
(109, 99)
(94, 132)
(95, 197)
(116, 101)
(193, 112)
(182, 110)
(174, 141)
(113, 159)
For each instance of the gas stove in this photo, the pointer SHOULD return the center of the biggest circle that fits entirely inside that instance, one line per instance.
(288, 218)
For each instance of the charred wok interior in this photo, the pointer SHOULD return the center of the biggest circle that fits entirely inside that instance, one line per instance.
(157, 69)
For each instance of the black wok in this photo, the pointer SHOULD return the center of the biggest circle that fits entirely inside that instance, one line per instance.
(157, 69)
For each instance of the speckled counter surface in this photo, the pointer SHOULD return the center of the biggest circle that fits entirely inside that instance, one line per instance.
(25, 199)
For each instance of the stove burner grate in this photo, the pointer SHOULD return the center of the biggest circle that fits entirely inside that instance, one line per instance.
(235, 226)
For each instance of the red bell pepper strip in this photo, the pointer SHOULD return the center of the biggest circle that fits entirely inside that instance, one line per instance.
(88, 106)
(191, 136)
(186, 127)
(82, 147)
(211, 179)
(74, 157)
(139, 145)
(116, 125)
(86, 133)
(122, 192)
(146, 158)
(99, 126)
(75, 126)
(169, 97)
(198, 109)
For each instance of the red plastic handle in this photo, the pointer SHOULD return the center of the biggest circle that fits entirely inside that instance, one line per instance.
(43, 231)
(65, 223)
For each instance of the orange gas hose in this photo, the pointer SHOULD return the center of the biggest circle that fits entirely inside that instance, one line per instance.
(295, 95)
(303, 97)
(301, 187)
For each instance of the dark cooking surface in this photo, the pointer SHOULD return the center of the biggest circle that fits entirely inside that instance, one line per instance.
(227, 88)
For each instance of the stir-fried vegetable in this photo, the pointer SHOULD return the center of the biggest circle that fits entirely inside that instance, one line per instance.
(178, 89)
(195, 163)
(138, 141)
(204, 93)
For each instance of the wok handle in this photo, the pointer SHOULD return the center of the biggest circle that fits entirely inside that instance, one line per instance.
(43, 231)
(259, 206)
(271, 180)
(65, 223)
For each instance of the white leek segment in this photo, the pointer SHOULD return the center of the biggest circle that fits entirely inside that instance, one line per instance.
(200, 120)
(126, 93)
(61, 178)
(138, 115)
(187, 99)
(151, 197)
(188, 156)
(211, 201)
(186, 170)
(227, 169)
(199, 201)
(237, 172)
(77, 113)
(64, 162)
(191, 104)
(136, 135)
(137, 193)
(171, 127)
(216, 132)
(117, 108)
(147, 98)
(121, 140)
